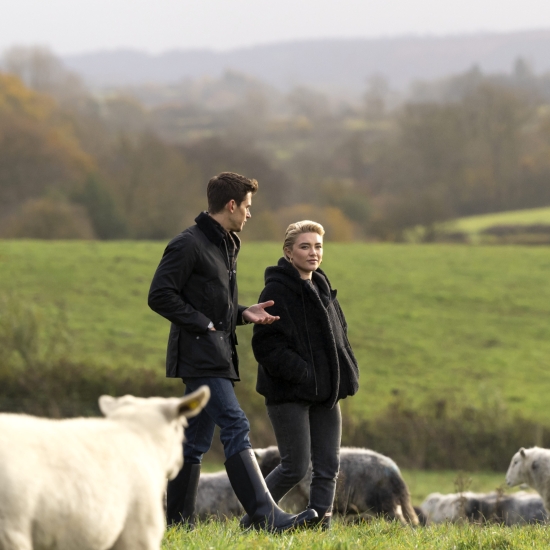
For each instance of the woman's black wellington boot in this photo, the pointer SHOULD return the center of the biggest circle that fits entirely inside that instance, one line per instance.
(249, 486)
(323, 519)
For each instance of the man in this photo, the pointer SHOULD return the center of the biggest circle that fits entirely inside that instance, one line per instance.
(195, 288)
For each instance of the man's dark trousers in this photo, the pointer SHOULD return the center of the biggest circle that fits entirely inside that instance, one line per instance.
(223, 410)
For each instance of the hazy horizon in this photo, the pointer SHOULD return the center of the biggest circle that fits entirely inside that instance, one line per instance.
(70, 28)
(413, 36)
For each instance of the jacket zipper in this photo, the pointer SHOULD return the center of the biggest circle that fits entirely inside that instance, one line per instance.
(309, 341)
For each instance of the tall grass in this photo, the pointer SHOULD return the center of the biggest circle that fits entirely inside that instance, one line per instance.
(37, 374)
(446, 434)
(376, 534)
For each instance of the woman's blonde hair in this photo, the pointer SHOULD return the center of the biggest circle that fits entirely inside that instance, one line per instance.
(297, 228)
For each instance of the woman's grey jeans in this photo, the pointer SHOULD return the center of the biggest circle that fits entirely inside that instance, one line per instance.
(304, 433)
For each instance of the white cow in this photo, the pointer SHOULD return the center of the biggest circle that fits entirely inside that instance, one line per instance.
(92, 483)
(531, 466)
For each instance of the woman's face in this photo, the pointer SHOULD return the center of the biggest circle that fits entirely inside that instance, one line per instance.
(306, 253)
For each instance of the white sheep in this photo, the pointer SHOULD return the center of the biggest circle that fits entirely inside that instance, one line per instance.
(514, 509)
(92, 483)
(215, 497)
(531, 466)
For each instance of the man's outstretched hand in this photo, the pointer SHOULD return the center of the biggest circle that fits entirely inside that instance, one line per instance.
(258, 315)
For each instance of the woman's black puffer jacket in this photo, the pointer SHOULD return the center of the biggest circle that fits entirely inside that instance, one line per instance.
(305, 356)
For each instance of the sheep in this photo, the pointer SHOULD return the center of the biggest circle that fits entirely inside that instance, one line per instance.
(215, 497)
(92, 483)
(531, 466)
(369, 484)
(518, 508)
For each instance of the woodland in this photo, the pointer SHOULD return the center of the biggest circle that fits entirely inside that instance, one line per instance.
(133, 163)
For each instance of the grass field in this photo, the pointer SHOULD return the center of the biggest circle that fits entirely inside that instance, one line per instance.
(460, 323)
(468, 324)
(375, 535)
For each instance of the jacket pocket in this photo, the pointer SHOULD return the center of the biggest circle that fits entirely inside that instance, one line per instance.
(210, 350)
(304, 376)
(295, 374)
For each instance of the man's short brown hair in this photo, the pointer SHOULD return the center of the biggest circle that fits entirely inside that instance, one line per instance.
(227, 186)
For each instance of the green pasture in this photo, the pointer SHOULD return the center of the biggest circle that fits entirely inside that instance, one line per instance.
(469, 325)
(475, 224)
(374, 535)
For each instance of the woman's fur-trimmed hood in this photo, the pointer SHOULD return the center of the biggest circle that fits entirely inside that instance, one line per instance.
(285, 273)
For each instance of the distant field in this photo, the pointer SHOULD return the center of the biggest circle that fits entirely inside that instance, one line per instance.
(474, 224)
(469, 324)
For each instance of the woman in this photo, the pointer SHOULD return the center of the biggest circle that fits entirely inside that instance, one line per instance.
(306, 365)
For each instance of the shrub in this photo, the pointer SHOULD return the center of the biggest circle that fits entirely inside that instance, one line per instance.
(104, 215)
(337, 226)
(443, 435)
(47, 218)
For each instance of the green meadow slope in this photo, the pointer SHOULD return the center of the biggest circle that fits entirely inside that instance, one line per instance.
(466, 324)
(531, 216)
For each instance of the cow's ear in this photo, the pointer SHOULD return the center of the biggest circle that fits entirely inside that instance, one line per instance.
(192, 404)
(522, 452)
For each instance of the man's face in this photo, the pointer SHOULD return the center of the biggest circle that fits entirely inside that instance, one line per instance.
(238, 214)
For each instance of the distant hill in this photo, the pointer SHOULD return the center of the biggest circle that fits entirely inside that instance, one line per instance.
(330, 65)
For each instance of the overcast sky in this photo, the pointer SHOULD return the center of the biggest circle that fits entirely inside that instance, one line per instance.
(76, 26)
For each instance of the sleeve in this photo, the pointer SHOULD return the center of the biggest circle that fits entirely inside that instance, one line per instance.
(341, 316)
(240, 320)
(272, 344)
(175, 267)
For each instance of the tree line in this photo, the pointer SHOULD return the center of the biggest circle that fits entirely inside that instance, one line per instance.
(133, 163)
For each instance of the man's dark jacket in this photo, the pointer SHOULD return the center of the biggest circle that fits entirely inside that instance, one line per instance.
(195, 284)
(305, 356)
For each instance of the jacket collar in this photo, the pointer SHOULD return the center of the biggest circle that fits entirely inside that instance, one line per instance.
(214, 231)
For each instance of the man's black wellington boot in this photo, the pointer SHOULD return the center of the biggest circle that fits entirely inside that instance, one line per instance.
(249, 486)
(181, 497)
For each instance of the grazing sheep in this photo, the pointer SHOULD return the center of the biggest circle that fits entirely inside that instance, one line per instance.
(519, 508)
(216, 498)
(369, 484)
(91, 483)
(531, 466)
